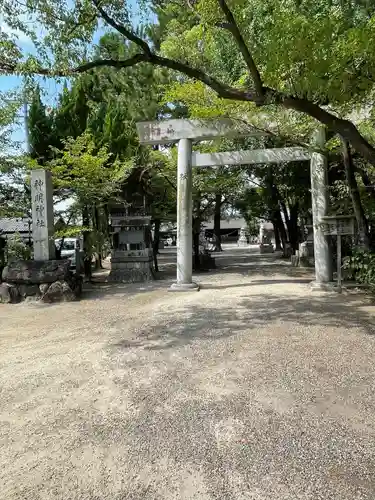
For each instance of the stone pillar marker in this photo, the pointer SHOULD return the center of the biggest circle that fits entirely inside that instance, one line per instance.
(319, 197)
(42, 214)
(184, 219)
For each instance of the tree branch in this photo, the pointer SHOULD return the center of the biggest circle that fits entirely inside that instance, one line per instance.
(221, 89)
(121, 29)
(114, 63)
(166, 178)
(340, 126)
(345, 128)
(250, 63)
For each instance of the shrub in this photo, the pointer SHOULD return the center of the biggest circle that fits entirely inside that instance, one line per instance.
(361, 267)
(17, 249)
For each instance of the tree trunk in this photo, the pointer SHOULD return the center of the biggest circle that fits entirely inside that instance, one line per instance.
(196, 230)
(86, 244)
(291, 222)
(217, 219)
(284, 210)
(97, 226)
(197, 262)
(275, 204)
(293, 227)
(367, 183)
(277, 236)
(355, 196)
(98, 261)
(155, 243)
(281, 229)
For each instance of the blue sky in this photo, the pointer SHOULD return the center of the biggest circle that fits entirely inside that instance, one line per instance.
(50, 87)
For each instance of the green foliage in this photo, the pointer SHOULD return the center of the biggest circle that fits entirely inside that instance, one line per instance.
(17, 249)
(14, 190)
(254, 205)
(70, 231)
(253, 227)
(161, 187)
(361, 268)
(40, 129)
(320, 50)
(9, 106)
(82, 169)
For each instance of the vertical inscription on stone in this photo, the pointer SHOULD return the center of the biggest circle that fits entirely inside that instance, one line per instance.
(42, 214)
(39, 202)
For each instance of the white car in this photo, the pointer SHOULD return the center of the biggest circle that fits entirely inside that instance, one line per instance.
(69, 247)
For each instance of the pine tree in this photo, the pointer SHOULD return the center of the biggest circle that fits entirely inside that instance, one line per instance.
(40, 129)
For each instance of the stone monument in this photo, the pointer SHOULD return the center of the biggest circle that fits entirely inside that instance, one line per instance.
(306, 249)
(206, 261)
(266, 245)
(265, 239)
(44, 279)
(242, 240)
(132, 253)
(42, 214)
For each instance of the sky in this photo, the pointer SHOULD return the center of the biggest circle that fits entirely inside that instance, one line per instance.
(50, 87)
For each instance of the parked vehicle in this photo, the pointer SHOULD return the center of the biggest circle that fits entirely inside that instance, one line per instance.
(68, 249)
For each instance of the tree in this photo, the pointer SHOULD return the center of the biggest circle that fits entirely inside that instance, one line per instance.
(14, 191)
(104, 105)
(83, 171)
(297, 54)
(15, 195)
(40, 126)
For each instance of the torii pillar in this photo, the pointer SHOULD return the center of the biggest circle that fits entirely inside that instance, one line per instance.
(320, 204)
(184, 219)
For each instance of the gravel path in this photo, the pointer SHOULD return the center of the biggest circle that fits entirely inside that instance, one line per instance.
(253, 388)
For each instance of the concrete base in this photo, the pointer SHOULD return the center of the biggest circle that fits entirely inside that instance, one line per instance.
(330, 286)
(184, 287)
(131, 266)
(134, 275)
(242, 243)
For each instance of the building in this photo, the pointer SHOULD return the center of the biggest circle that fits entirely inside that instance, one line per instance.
(229, 229)
(10, 226)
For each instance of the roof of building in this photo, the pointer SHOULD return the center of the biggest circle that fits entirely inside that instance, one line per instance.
(14, 225)
(227, 223)
(268, 226)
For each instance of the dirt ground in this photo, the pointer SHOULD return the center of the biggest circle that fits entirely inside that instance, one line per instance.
(255, 388)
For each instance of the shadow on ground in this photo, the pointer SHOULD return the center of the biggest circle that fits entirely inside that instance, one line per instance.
(208, 286)
(99, 290)
(237, 262)
(201, 323)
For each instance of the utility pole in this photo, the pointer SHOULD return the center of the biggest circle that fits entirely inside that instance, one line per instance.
(26, 116)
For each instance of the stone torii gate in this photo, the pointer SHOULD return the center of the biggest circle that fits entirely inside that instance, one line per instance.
(184, 132)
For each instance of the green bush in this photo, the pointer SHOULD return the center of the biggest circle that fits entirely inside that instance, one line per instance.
(361, 268)
(17, 249)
